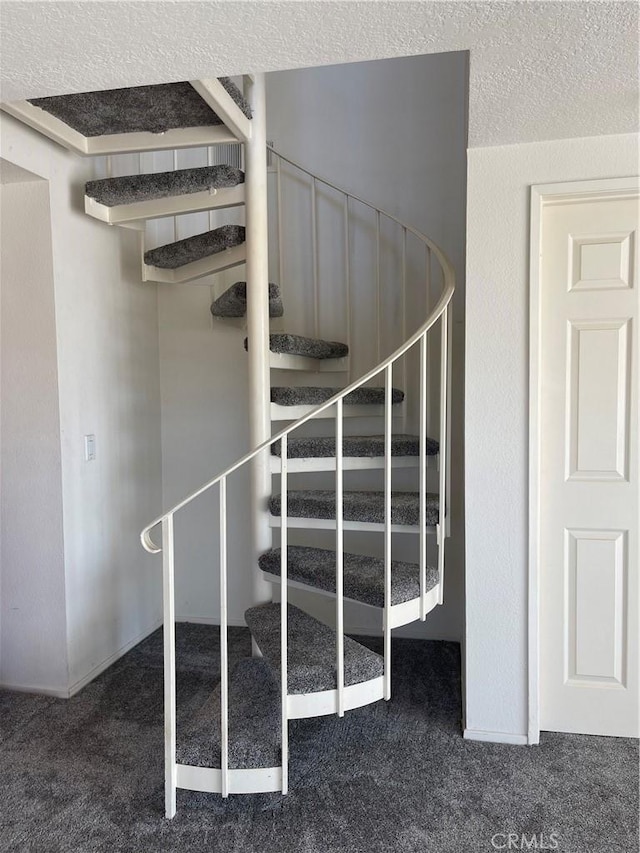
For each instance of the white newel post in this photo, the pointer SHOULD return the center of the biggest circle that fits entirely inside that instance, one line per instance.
(258, 322)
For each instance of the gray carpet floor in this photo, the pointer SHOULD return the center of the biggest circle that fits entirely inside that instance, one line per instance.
(85, 775)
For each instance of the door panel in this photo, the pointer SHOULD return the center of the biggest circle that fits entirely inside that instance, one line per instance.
(589, 466)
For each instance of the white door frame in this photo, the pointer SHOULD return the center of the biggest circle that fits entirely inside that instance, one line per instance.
(542, 195)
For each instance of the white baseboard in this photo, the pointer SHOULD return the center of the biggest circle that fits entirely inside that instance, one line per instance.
(68, 692)
(54, 692)
(97, 670)
(232, 621)
(495, 737)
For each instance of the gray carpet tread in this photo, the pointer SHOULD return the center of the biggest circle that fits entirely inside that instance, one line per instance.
(152, 109)
(130, 189)
(254, 722)
(174, 255)
(233, 302)
(314, 396)
(368, 446)
(286, 343)
(311, 653)
(363, 576)
(357, 506)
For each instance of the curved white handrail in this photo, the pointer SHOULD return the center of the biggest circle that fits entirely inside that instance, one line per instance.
(438, 311)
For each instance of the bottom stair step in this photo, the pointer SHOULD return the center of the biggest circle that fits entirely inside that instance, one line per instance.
(254, 722)
(311, 650)
(363, 576)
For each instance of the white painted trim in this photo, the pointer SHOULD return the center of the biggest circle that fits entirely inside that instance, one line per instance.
(232, 621)
(495, 737)
(285, 361)
(542, 195)
(303, 705)
(197, 269)
(293, 413)
(350, 463)
(361, 526)
(115, 143)
(247, 781)
(55, 692)
(68, 692)
(215, 199)
(216, 96)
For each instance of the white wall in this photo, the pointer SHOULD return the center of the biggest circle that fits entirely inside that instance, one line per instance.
(33, 650)
(496, 408)
(108, 378)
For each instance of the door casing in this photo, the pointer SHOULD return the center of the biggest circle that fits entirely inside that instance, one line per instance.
(541, 195)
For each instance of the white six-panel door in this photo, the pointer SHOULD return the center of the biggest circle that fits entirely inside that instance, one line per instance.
(588, 464)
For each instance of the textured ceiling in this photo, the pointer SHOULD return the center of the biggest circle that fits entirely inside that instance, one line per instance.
(538, 70)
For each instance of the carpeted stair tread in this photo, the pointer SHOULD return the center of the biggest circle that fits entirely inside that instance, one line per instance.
(254, 722)
(363, 576)
(309, 447)
(129, 189)
(311, 650)
(288, 344)
(357, 506)
(233, 302)
(175, 255)
(154, 109)
(314, 396)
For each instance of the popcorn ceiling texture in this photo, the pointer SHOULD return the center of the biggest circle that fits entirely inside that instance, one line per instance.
(538, 70)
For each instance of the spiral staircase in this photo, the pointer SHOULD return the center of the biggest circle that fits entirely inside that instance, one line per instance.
(238, 741)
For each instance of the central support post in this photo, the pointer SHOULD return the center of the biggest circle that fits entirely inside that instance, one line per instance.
(258, 323)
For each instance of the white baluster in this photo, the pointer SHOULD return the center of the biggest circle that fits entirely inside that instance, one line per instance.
(283, 610)
(387, 530)
(378, 331)
(169, 637)
(404, 322)
(224, 657)
(423, 477)
(347, 281)
(339, 562)
(442, 496)
(314, 257)
(280, 227)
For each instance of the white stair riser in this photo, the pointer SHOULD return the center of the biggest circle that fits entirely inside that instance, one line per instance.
(349, 463)
(361, 526)
(286, 361)
(293, 413)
